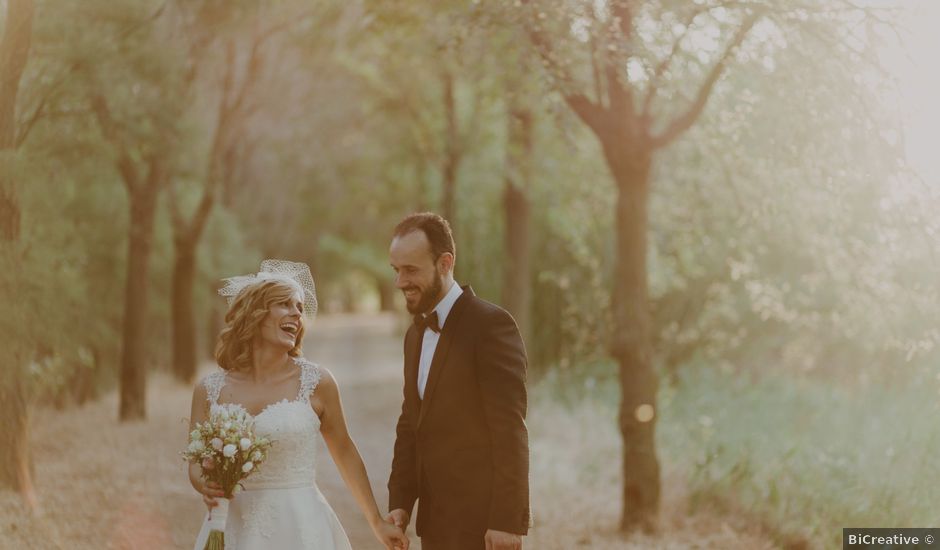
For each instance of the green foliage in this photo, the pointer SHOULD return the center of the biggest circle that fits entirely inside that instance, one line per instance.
(783, 226)
(796, 459)
(764, 243)
(61, 278)
(807, 459)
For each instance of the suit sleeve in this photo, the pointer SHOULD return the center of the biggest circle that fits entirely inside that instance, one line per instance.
(403, 481)
(501, 367)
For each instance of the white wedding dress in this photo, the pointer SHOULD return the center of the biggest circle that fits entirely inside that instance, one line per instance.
(281, 507)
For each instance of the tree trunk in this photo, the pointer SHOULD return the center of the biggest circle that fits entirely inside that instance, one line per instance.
(143, 203)
(16, 466)
(220, 174)
(386, 293)
(516, 289)
(630, 344)
(9, 205)
(83, 381)
(451, 154)
(14, 53)
(516, 268)
(214, 321)
(183, 316)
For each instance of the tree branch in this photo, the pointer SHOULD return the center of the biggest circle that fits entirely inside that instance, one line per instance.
(687, 119)
(150, 19)
(30, 122)
(156, 172)
(201, 216)
(37, 115)
(111, 133)
(14, 53)
(564, 81)
(623, 17)
(663, 65)
(252, 71)
(176, 217)
(279, 27)
(596, 72)
(620, 94)
(589, 112)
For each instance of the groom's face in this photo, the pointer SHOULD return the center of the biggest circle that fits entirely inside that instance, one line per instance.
(417, 274)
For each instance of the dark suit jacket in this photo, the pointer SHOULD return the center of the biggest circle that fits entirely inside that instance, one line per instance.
(463, 452)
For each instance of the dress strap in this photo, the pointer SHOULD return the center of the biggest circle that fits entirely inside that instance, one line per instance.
(309, 377)
(213, 383)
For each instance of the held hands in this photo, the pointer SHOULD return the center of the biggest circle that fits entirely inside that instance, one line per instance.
(499, 540)
(391, 535)
(399, 518)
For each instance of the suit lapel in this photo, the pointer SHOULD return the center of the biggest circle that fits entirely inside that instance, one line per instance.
(412, 356)
(439, 361)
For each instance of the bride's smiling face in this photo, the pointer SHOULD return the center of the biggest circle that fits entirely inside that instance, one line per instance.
(284, 322)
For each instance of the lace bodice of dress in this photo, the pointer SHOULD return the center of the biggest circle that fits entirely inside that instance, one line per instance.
(293, 427)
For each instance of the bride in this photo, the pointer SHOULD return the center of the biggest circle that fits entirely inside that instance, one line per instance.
(290, 399)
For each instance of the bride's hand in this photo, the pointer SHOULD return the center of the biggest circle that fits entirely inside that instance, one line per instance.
(392, 537)
(210, 491)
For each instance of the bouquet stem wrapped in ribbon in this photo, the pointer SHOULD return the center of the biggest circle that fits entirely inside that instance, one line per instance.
(227, 449)
(217, 518)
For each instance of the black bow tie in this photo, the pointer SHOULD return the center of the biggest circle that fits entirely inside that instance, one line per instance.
(427, 321)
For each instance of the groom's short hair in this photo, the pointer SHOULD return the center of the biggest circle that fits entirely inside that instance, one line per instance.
(435, 228)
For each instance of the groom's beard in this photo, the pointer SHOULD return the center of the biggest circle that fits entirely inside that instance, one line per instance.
(428, 297)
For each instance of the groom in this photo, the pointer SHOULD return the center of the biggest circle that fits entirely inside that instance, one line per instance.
(462, 448)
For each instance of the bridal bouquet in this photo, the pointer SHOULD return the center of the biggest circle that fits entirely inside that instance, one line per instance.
(228, 450)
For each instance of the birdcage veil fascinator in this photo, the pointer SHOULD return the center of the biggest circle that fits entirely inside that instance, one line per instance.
(296, 274)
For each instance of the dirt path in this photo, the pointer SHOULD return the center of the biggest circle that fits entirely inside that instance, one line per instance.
(365, 356)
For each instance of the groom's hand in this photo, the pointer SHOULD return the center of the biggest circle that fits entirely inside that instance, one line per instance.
(399, 518)
(500, 540)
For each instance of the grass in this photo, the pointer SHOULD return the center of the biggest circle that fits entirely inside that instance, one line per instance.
(808, 458)
(575, 479)
(794, 461)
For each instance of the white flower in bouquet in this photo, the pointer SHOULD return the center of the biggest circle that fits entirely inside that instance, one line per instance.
(197, 446)
(246, 467)
(257, 456)
(216, 443)
(229, 450)
(245, 444)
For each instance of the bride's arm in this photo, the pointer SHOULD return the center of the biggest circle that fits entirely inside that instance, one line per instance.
(199, 413)
(349, 461)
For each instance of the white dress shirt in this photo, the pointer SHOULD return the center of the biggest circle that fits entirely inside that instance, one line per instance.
(429, 343)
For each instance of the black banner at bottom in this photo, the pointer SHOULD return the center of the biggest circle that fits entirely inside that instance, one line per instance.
(912, 537)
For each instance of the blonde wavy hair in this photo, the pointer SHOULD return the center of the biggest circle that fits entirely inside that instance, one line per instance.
(243, 324)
